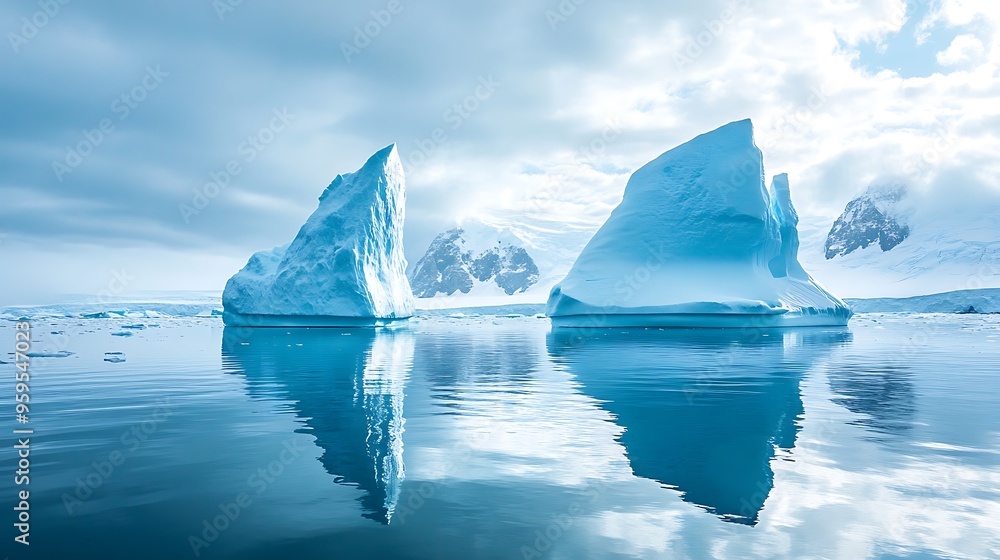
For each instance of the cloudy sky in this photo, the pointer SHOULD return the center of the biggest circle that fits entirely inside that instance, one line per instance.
(117, 115)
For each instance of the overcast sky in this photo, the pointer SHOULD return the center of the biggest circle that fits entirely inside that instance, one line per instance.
(115, 113)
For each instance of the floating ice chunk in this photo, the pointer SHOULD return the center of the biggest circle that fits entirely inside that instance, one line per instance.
(59, 354)
(114, 357)
(697, 241)
(345, 267)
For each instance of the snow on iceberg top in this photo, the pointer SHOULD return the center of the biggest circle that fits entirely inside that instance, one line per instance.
(346, 261)
(697, 234)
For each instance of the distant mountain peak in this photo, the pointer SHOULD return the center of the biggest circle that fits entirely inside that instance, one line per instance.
(871, 218)
(458, 260)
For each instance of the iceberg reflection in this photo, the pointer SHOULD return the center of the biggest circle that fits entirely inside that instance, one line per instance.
(704, 411)
(348, 385)
(883, 397)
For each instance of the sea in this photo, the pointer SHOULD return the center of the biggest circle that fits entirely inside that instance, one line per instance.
(472, 435)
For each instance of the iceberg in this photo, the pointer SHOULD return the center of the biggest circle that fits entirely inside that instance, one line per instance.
(697, 241)
(345, 268)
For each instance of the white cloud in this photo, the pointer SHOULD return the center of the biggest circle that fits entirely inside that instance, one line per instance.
(965, 48)
(963, 12)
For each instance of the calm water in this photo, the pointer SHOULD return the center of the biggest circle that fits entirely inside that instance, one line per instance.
(490, 437)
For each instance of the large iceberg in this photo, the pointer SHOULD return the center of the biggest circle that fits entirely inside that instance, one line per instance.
(697, 241)
(345, 268)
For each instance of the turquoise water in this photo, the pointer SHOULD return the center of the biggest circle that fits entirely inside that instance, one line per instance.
(494, 437)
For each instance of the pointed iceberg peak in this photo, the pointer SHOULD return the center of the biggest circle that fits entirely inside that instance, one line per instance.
(346, 265)
(736, 132)
(385, 154)
(781, 201)
(383, 164)
(786, 263)
(734, 136)
(744, 126)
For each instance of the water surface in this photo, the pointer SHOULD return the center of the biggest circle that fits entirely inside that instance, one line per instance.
(496, 437)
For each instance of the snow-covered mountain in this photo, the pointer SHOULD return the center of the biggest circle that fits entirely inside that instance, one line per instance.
(455, 263)
(494, 260)
(894, 242)
(872, 218)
